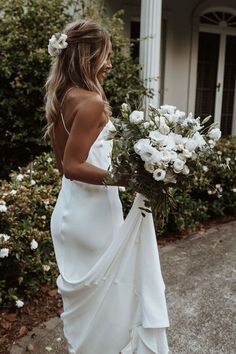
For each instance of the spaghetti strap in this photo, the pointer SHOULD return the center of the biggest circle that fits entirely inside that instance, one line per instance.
(61, 109)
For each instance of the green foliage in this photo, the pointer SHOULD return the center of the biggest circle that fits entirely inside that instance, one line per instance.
(29, 198)
(25, 29)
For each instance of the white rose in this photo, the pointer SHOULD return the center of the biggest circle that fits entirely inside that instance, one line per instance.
(186, 153)
(178, 116)
(205, 168)
(178, 165)
(4, 252)
(234, 190)
(214, 134)
(136, 117)
(199, 140)
(56, 43)
(32, 182)
(19, 303)
(33, 244)
(165, 155)
(173, 155)
(148, 154)
(140, 144)
(157, 137)
(159, 174)
(49, 160)
(167, 109)
(190, 145)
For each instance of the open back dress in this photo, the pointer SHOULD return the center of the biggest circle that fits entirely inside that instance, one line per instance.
(110, 277)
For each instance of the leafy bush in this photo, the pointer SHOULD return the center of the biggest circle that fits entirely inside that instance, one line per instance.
(25, 29)
(28, 199)
(26, 204)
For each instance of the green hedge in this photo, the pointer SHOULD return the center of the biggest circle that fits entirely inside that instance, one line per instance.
(28, 199)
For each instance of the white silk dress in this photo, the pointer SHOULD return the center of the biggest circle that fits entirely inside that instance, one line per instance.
(109, 278)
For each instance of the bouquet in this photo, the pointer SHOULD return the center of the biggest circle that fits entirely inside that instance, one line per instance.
(160, 151)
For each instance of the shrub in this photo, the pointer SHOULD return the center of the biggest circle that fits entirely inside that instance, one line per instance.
(26, 204)
(25, 29)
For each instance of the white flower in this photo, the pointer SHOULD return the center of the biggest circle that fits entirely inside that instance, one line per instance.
(205, 168)
(46, 267)
(4, 252)
(178, 165)
(149, 154)
(13, 192)
(122, 189)
(178, 115)
(56, 43)
(214, 134)
(185, 170)
(173, 155)
(146, 125)
(219, 188)
(19, 303)
(190, 144)
(49, 159)
(149, 166)
(3, 207)
(5, 237)
(186, 153)
(140, 144)
(159, 174)
(19, 177)
(136, 117)
(157, 137)
(234, 190)
(32, 182)
(165, 156)
(198, 138)
(163, 127)
(227, 159)
(211, 143)
(124, 107)
(33, 244)
(167, 109)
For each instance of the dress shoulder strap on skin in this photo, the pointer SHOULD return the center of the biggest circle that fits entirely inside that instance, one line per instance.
(62, 118)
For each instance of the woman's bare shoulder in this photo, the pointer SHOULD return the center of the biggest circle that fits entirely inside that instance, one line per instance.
(86, 105)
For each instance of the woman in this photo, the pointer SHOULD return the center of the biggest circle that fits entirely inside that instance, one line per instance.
(110, 278)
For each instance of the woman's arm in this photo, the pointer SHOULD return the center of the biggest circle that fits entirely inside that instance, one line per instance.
(88, 121)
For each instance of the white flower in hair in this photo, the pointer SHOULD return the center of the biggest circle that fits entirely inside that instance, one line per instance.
(56, 43)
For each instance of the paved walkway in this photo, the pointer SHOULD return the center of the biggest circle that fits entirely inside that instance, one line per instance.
(200, 279)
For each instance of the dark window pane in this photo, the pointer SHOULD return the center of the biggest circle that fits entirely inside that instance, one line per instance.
(229, 86)
(208, 53)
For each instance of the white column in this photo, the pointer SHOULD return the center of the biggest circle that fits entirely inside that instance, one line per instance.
(150, 36)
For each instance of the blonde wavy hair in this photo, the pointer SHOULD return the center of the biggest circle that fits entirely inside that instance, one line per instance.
(76, 65)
